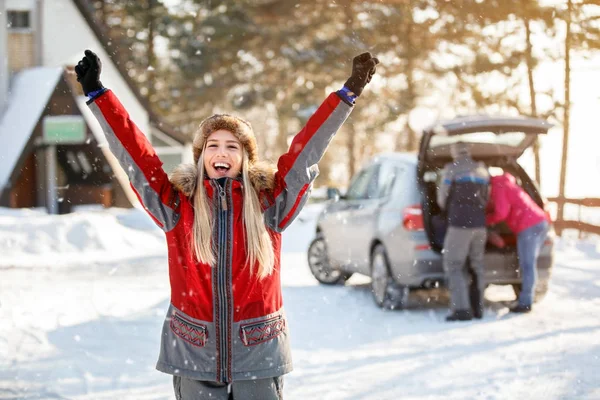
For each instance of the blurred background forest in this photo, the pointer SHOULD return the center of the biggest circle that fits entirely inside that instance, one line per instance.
(273, 61)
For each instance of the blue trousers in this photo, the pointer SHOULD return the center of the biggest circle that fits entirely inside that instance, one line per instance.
(529, 244)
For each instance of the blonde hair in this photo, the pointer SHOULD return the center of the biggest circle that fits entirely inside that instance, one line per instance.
(259, 246)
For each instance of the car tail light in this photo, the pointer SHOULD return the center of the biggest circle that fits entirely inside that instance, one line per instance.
(413, 218)
(420, 247)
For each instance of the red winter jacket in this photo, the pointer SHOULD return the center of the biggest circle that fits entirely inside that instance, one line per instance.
(223, 324)
(511, 204)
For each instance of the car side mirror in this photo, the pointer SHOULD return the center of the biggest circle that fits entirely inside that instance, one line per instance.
(333, 194)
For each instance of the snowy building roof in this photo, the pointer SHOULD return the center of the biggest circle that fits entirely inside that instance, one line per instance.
(28, 97)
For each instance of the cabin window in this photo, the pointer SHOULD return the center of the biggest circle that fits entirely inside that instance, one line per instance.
(17, 20)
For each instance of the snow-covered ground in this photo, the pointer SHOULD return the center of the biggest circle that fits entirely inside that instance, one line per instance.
(83, 296)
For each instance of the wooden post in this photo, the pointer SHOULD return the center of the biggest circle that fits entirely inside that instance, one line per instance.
(579, 219)
(565, 147)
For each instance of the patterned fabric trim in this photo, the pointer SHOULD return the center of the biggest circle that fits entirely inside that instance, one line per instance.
(261, 331)
(191, 332)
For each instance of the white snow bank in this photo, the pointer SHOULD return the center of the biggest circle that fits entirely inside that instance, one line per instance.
(34, 238)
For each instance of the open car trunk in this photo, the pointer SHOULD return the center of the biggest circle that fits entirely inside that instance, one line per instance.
(435, 222)
(497, 141)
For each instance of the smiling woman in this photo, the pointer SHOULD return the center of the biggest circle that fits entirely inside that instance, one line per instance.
(223, 217)
(223, 155)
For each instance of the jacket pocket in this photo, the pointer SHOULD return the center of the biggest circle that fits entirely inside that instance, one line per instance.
(192, 332)
(261, 331)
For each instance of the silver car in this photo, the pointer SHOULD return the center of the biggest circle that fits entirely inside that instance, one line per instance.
(388, 225)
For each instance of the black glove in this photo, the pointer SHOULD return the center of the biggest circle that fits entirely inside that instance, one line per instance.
(88, 72)
(363, 68)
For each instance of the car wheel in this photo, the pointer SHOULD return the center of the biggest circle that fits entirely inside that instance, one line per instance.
(318, 262)
(386, 293)
(541, 288)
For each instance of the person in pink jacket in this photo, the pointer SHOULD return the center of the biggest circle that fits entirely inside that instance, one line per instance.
(509, 203)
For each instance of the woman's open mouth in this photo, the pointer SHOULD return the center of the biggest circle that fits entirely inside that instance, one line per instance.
(221, 168)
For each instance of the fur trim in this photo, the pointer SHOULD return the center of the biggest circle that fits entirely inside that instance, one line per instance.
(261, 174)
(239, 127)
(184, 178)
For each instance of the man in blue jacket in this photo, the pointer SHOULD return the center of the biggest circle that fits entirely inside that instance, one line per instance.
(463, 194)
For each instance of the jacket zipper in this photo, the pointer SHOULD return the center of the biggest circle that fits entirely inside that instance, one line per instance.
(222, 286)
(223, 199)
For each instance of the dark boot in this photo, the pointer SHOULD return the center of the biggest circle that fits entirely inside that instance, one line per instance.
(460, 315)
(474, 294)
(520, 309)
(478, 311)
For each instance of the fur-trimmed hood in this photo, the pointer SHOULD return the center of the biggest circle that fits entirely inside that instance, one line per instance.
(261, 173)
(240, 128)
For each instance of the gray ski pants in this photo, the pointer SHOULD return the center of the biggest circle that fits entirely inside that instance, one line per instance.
(257, 389)
(459, 244)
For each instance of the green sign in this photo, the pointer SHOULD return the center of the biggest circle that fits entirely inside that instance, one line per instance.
(64, 129)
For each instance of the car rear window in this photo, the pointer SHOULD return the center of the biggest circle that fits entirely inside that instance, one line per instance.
(513, 139)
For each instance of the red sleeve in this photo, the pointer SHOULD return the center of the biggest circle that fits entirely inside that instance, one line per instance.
(138, 159)
(297, 168)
